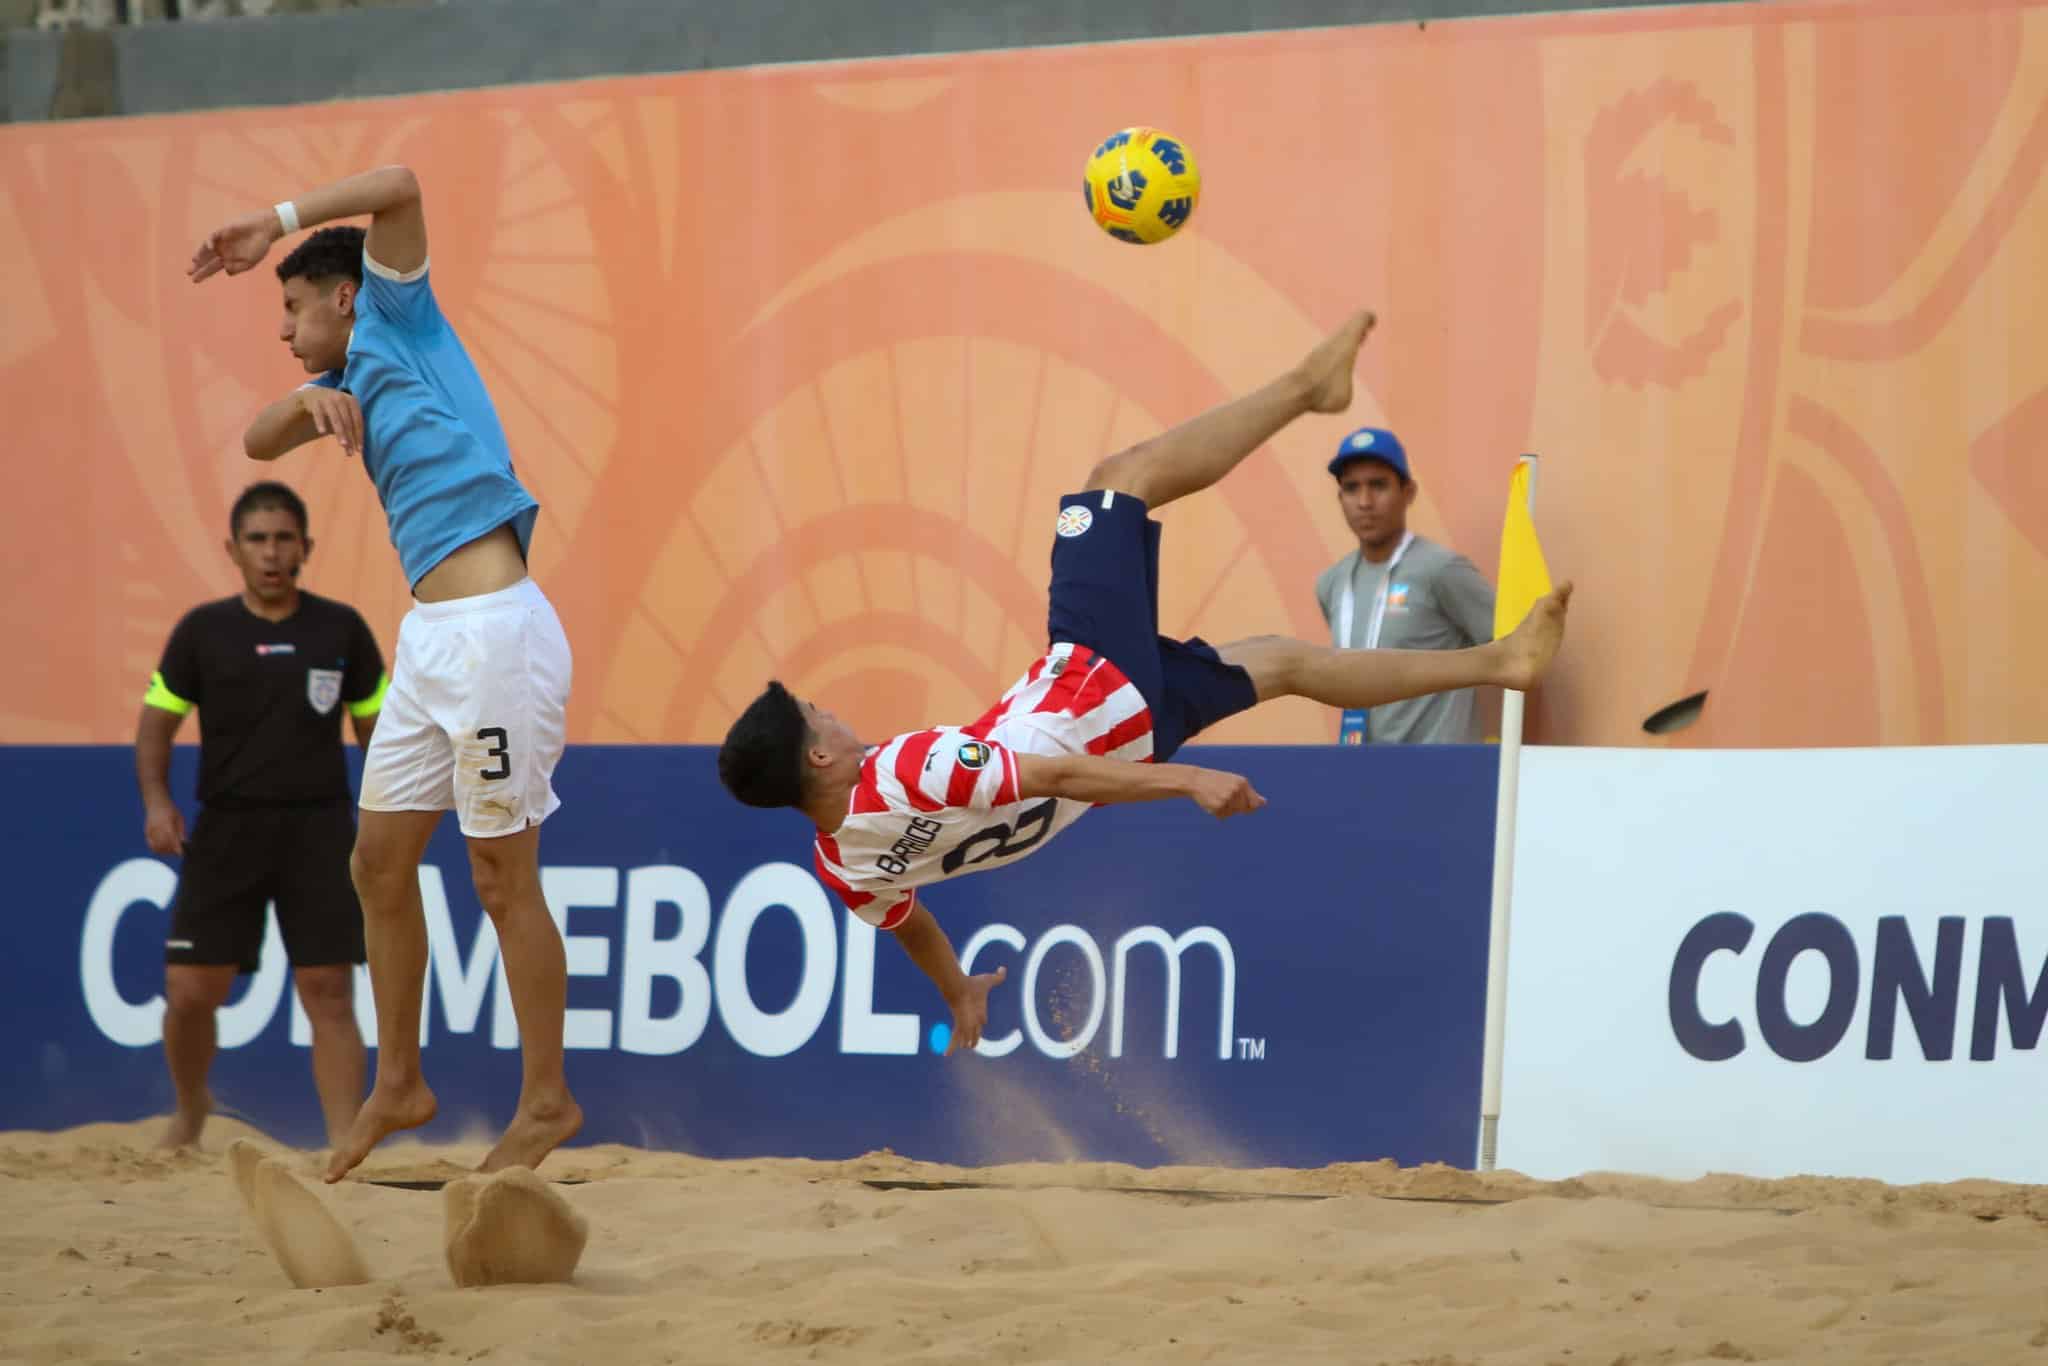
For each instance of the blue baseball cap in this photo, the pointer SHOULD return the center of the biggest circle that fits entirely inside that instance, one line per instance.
(1372, 443)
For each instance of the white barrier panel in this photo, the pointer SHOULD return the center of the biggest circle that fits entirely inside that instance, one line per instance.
(1829, 962)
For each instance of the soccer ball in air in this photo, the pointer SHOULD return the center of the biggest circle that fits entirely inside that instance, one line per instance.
(1141, 185)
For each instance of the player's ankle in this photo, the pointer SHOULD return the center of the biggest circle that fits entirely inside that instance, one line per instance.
(398, 1081)
(1300, 386)
(548, 1103)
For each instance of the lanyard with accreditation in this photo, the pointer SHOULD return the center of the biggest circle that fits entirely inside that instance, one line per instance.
(1352, 729)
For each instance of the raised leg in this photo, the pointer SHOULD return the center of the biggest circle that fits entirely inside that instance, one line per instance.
(1283, 667)
(1203, 449)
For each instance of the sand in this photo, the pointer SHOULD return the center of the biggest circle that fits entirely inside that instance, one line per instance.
(112, 1253)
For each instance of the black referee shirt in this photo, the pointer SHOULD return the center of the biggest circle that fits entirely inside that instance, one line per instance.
(270, 696)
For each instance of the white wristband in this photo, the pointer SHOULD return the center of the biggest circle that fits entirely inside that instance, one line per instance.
(288, 216)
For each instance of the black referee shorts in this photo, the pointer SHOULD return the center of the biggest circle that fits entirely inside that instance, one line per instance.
(238, 862)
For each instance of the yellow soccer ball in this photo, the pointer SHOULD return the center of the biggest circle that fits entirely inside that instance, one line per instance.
(1141, 185)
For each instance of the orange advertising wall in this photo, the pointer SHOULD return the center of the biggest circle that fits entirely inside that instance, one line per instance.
(798, 359)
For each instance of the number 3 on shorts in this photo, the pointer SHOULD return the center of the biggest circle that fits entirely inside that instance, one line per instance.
(498, 751)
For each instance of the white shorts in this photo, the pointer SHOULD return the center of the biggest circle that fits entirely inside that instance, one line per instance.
(474, 719)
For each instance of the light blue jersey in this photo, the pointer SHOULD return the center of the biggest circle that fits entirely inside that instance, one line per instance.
(431, 439)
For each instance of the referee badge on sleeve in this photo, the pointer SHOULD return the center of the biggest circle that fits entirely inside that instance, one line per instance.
(323, 689)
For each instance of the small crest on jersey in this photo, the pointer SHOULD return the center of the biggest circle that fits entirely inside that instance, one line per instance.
(973, 754)
(281, 648)
(1074, 520)
(323, 689)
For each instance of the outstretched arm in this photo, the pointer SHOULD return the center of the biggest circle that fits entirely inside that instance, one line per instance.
(1085, 778)
(967, 997)
(390, 195)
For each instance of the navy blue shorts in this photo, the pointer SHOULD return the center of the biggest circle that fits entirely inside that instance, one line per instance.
(1105, 595)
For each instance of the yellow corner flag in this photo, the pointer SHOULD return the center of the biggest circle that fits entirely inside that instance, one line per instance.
(1523, 575)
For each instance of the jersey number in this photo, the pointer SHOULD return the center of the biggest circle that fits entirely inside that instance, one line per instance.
(497, 751)
(1003, 839)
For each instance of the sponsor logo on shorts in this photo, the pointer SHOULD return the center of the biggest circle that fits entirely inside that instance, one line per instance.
(177, 943)
(973, 754)
(1074, 521)
(323, 689)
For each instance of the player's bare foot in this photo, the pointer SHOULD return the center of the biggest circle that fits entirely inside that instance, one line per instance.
(537, 1130)
(1528, 649)
(183, 1130)
(389, 1109)
(1327, 369)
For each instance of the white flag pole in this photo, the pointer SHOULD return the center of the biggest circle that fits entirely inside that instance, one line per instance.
(1503, 896)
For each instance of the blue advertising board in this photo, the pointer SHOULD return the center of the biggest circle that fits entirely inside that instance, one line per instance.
(1298, 986)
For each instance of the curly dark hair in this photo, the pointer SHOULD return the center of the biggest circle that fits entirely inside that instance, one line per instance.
(327, 254)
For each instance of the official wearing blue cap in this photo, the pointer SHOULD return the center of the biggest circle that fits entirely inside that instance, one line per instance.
(1398, 591)
(1372, 443)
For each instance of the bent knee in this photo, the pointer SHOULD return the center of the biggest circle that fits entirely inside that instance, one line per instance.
(491, 883)
(385, 860)
(1274, 662)
(191, 993)
(372, 870)
(1123, 472)
(504, 877)
(326, 991)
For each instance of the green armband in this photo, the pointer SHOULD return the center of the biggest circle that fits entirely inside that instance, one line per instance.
(374, 703)
(163, 698)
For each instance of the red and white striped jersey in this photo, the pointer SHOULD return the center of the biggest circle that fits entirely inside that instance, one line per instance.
(940, 803)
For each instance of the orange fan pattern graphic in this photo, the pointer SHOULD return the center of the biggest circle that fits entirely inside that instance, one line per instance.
(798, 360)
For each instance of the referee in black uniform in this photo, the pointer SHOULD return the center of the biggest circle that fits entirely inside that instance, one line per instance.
(270, 670)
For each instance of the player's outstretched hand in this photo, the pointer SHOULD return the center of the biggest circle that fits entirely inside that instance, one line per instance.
(1223, 794)
(335, 414)
(239, 246)
(164, 828)
(970, 1009)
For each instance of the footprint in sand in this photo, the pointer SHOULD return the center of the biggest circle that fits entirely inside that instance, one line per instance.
(305, 1237)
(511, 1228)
